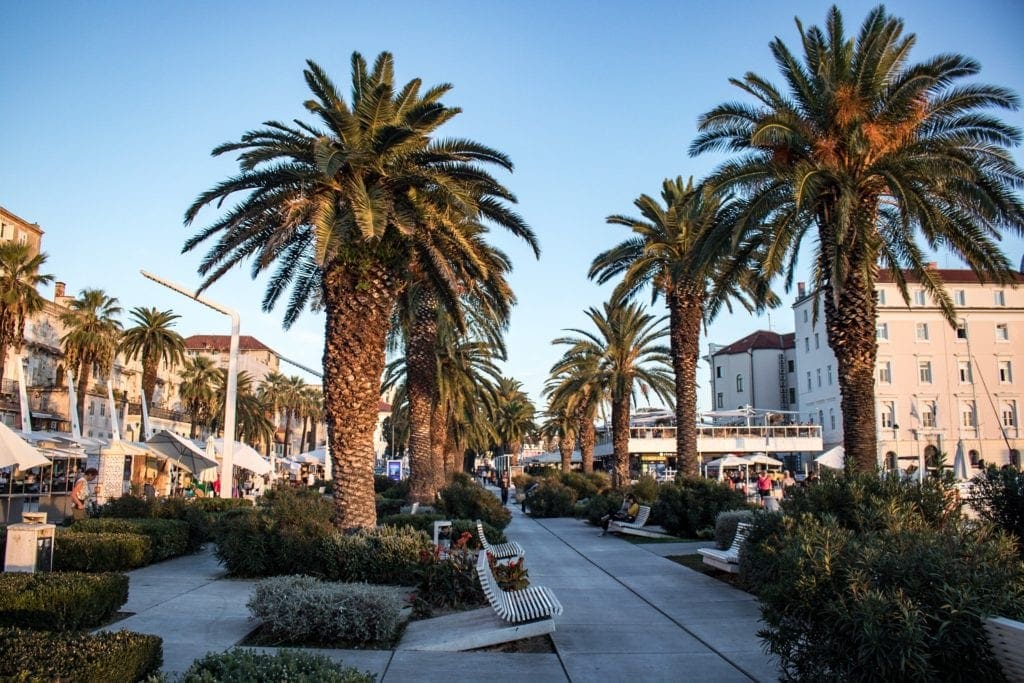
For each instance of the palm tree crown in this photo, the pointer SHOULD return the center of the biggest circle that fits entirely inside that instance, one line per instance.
(19, 296)
(153, 341)
(91, 339)
(871, 153)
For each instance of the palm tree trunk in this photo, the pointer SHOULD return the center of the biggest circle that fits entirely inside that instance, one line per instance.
(850, 323)
(84, 373)
(149, 368)
(358, 306)
(438, 440)
(565, 448)
(312, 434)
(287, 430)
(620, 441)
(3, 361)
(686, 311)
(421, 379)
(588, 437)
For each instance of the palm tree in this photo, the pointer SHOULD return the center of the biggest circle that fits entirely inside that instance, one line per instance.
(576, 386)
(865, 150)
(342, 207)
(560, 424)
(311, 409)
(627, 352)
(19, 296)
(291, 404)
(198, 378)
(271, 392)
(250, 409)
(670, 251)
(91, 338)
(153, 341)
(513, 418)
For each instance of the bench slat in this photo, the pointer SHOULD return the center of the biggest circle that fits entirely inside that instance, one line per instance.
(528, 604)
(502, 551)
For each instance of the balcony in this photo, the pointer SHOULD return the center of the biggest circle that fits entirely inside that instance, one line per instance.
(738, 439)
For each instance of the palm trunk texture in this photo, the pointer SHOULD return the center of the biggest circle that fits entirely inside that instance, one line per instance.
(453, 460)
(149, 368)
(358, 317)
(620, 441)
(438, 439)
(566, 446)
(851, 333)
(588, 438)
(84, 373)
(686, 311)
(421, 378)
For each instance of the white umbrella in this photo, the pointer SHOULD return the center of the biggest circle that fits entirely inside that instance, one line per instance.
(833, 458)
(182, 451)
(763, 459)
(317, 455)
(244, 456)
(960, 463)
(730, 460)
(14, 450)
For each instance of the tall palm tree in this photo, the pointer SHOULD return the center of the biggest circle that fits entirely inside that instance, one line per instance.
(669, 251)
(342, 207)
(198, 377)
(560, 425)
(311, 409)
(867, 151)
(271, 391)
(152, 340)
(91, 339)
(20, 280)
(250, 410)
(576, 385)
(513, 418)
(627, 351)
(291, 403)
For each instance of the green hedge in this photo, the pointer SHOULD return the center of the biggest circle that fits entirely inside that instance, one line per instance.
(220, 504)
(551, 499)
(425, 523)
(100, 551)
(82, 658)
(65, 601)
(463, 498)
(169, 537)
(248, 666)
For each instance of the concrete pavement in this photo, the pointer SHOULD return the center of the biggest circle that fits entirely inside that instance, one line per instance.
(630, 615)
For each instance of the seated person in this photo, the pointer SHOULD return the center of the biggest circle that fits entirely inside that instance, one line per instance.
(627, 513)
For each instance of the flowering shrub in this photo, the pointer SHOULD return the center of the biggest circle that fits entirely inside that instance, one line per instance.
(448, 581)
(512, 576)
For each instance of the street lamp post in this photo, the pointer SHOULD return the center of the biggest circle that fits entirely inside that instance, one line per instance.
(227, 459)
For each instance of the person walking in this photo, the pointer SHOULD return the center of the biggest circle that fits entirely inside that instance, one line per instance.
(504, 488)
(764, 485)
(81, 493)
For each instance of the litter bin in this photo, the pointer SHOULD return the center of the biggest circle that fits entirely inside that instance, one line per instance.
(30, 544)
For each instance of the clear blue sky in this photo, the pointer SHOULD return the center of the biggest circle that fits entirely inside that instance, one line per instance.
(110, 110)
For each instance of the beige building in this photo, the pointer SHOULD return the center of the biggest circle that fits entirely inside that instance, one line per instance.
(16, 229)
(937, 388)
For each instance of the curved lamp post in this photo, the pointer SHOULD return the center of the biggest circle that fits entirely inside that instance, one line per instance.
(227, 460)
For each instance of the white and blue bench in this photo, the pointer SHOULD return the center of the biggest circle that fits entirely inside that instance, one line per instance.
(728, 560)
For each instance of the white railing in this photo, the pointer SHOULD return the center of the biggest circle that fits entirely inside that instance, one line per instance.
(732, 432)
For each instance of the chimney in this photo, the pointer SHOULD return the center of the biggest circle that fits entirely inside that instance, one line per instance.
(58, 290)
(801, 289)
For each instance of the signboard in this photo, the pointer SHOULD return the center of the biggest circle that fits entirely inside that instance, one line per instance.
(395, 470)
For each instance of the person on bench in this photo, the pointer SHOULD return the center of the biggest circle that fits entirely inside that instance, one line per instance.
(627, 513)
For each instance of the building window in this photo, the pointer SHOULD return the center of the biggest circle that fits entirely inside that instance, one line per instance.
(817, 340)
(999, 297)
(832, 418)
(790, 366)
(961, 329)
(888, 414)
(720, 401)
(960, 297)
(792, 395)
(880, 297)
(739, 384)
(1002, 332)
(23, 238)
(928, 414)
(805, 315)
(1009, 415)
(964, 370)
(828, 372)
(103, 409)
(819, 376)
(92, 407)
(919, 297)
(924, 371)
(1015, 457)
(821, 418)
(807, 344)
(1005, 372)
(922, 331)
(967, 414)
(718, 372)
(808, 380)
(885, 372)
(882, 331)
(974, 457)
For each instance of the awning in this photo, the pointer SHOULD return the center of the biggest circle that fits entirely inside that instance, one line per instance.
(182, 451)
(244, 456)
(833, 458)
(14, 450)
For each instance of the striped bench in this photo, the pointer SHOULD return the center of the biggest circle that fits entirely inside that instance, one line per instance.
(1006, 637)
(728, 560)
(501, 551)
(616, 526)
(515, 607)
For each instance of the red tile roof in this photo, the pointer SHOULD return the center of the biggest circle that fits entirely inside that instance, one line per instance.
(222, 343)
(762, 339)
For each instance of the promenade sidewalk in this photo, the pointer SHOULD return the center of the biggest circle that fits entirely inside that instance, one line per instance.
(630, 615)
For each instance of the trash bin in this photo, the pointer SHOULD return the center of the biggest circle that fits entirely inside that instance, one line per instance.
(30, 544)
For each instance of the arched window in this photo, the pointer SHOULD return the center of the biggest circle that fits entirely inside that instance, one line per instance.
(890, 460)
(1015, 457)
(739, 384)
(974, 457)
(931, 456)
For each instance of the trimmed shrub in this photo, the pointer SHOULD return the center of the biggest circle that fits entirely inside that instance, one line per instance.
(425, 523)
(689, 507)
(100, 552)
(249, 666)
(645, 490)
(65, 601)
(585, 485)
(902, 602)
(83, 658)
(998, 497)
(726, 523)
(169, 537)
(302, 510)
(465, 499)
(306, 610)
(218, 504)
(388, 506)
(601, 505)
(551, 499)
(384, 555)
(244, 543)
(448, 582)
(131, 507)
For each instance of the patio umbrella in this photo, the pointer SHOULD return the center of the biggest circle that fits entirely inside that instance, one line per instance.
(763, 459)
(182, 451)
(243, 455)
(14, 450)
(315, 456)
(833, 458)
(960, 463)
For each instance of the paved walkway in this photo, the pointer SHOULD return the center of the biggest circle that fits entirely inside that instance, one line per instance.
(630, 615)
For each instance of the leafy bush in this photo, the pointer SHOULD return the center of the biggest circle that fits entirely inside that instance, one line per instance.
(244, 543)
(448, 582)
(690, 506)
(168, 537)
(601, 505)
(384, 555)
(218, 504)
(388, 506)
(306, 610)
(83, 658)
(901, 602)
(998, 497)
(511, 576)
(759, 557)
(524, 481)
(64, 601)
(465, 499)
(425, 523)
(585, 485)
(551, 499)
(100, 552)
(302, 510)
(133, 507)
(726, 523)
(645, 490)
(249, 666)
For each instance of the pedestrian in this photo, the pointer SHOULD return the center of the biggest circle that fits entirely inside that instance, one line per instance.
(627, 512)
(764, 485)
(504, 488)
(81, 494)
(148, 490)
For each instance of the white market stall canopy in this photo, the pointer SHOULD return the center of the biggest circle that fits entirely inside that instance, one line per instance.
(833, 458)
(243, 455)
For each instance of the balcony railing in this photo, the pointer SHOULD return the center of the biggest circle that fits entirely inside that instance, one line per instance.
(732, 432)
